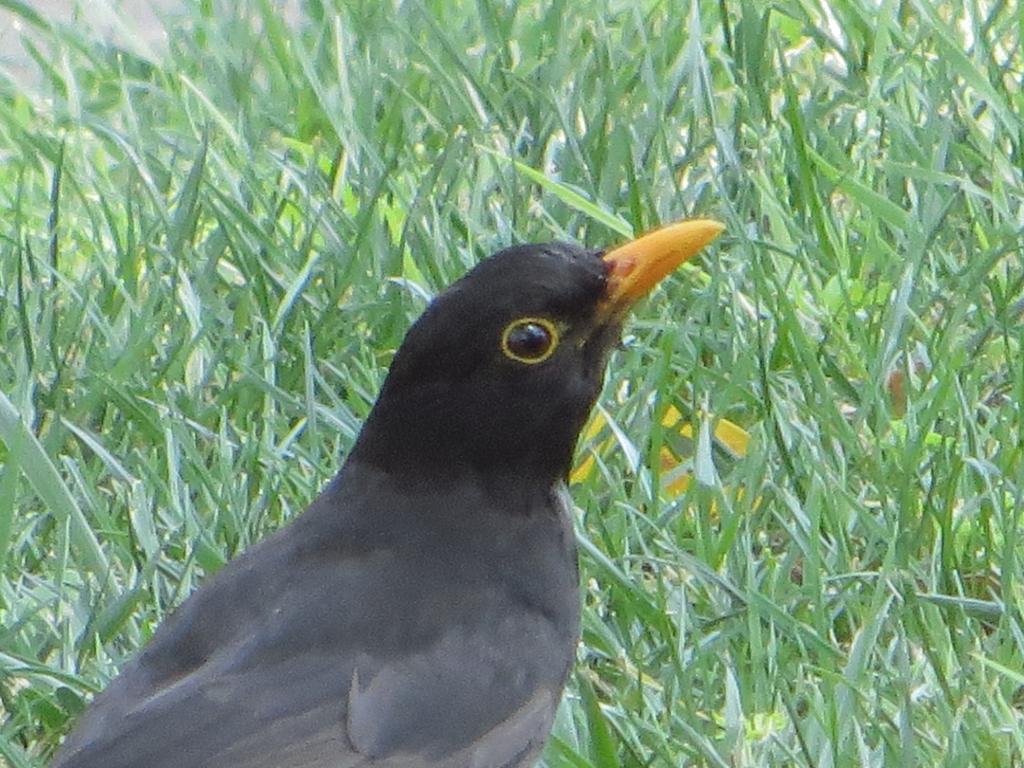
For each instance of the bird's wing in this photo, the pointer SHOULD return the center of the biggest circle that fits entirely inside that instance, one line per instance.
(305, 712)
(291, 689)
(288, 714)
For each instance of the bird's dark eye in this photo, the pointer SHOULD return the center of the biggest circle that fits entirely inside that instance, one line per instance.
(529, 340)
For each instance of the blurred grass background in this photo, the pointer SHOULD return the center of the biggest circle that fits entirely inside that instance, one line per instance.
(208, 256)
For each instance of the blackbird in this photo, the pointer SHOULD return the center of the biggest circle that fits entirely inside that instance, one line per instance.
(424, 611)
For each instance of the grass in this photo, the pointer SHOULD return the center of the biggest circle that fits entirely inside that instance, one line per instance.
(207, 259)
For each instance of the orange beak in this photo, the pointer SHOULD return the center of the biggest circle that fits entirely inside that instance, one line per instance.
(639, 265)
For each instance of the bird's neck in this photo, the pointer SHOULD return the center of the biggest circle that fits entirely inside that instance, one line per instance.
(428, 436)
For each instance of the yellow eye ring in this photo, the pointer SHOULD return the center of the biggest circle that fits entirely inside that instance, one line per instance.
(529, 340)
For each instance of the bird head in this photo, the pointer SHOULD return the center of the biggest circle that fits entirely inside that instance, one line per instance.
(498, 375)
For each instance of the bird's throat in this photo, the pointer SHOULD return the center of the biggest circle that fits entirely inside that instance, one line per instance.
(427, 436)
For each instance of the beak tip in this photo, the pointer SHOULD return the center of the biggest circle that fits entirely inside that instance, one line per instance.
(705, 229)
